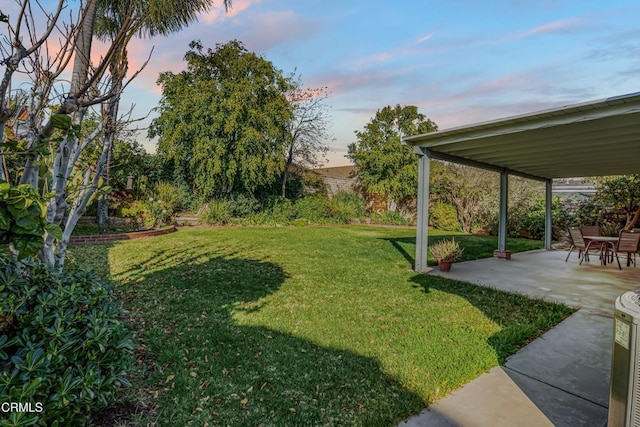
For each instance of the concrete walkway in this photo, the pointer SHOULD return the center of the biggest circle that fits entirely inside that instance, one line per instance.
(560, 379)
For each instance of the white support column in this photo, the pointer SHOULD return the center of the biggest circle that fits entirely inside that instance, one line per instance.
(502, 251)
(548, 223)
(422, 230)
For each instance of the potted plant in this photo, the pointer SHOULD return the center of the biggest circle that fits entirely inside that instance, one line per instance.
(445, 252)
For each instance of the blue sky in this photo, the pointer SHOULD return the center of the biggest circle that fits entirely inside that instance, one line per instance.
(459, 61)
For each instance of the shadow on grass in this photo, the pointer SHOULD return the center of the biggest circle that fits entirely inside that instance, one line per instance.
(94, 256)
(406, 246)
(202, 366)
(475, 247)
(401, 244)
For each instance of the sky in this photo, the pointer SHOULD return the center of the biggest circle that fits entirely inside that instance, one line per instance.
(459, 61)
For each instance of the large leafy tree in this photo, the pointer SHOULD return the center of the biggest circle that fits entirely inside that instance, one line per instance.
(223, 120)
(385, 167)
(156, 17)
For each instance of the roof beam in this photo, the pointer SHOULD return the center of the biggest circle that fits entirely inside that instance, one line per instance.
(548, 138)
(432, 154)
(596, 154)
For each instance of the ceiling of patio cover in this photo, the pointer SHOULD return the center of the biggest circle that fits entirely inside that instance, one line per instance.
(590, 139)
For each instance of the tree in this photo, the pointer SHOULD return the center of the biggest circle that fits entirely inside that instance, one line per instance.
(54, 120)
(465, 188)
(621, 193)
(386, 167)
(307, 131)
(159, 17)
(53, 141)
(223, 120)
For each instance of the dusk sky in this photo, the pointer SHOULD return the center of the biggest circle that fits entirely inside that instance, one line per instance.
(459, 61)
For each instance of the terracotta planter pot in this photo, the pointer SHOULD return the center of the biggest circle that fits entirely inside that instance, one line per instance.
(445, 265)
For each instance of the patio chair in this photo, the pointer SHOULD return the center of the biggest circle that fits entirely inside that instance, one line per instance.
(628, 242)
(577, 243)
(591, 230)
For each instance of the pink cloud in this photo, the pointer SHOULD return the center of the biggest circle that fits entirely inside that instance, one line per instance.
(339, 84)
(373, 59)
(270, 29)
(217, 13)
(553, 27)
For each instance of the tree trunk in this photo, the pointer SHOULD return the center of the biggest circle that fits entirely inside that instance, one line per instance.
(285, 175)
(631, 223)
(82, 59)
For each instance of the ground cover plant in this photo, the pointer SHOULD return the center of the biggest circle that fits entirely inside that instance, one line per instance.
(306, 325)
(62, 343)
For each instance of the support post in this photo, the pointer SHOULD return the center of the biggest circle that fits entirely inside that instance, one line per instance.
(422, 228)
(502, 251)
(548, 225)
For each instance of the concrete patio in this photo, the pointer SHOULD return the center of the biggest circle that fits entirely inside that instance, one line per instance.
(560, 379)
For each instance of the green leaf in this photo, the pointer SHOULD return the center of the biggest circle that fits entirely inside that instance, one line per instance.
(4, 188)
(61, 121)
(28, 222)
(27, 245)
(20, 419)
(5, 218)
(36, 231)
(29, 388)
(54, 230)
(15, 212)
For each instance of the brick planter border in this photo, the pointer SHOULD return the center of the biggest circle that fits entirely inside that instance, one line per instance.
(97, 238)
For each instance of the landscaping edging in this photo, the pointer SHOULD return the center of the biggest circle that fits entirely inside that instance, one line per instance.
(97, 238)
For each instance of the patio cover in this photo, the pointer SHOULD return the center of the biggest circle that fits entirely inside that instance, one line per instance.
(596, 138)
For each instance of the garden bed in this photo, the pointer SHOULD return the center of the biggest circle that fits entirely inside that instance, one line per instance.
(97, 238)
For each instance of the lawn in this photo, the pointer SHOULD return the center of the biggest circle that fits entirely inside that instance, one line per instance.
(305, 326)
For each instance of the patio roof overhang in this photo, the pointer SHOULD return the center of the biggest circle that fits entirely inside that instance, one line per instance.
(591, 139)
(595, 138)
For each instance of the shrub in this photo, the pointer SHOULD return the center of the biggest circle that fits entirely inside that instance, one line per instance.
(157, 213)
(276, 210)
(534, 220)
(589, 212)
(22, 220)
(346, 206)
(137, 213)
(216, 212)
(611, 229)
(315, 208)
(445, 250)
(300, 222)
(62, 343)
(443, 216)
(314, 183)
(168, 194)
(149, 213)
(390, 218)
(243, 205)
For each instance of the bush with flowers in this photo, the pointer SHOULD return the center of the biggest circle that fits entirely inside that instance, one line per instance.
(149, 213)
(137, 214)
(159, 213)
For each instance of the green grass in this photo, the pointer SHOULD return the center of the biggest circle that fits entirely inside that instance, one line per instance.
(306, 325)
(88, 229)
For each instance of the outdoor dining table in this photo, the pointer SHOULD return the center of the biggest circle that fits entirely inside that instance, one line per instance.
(604, 243)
